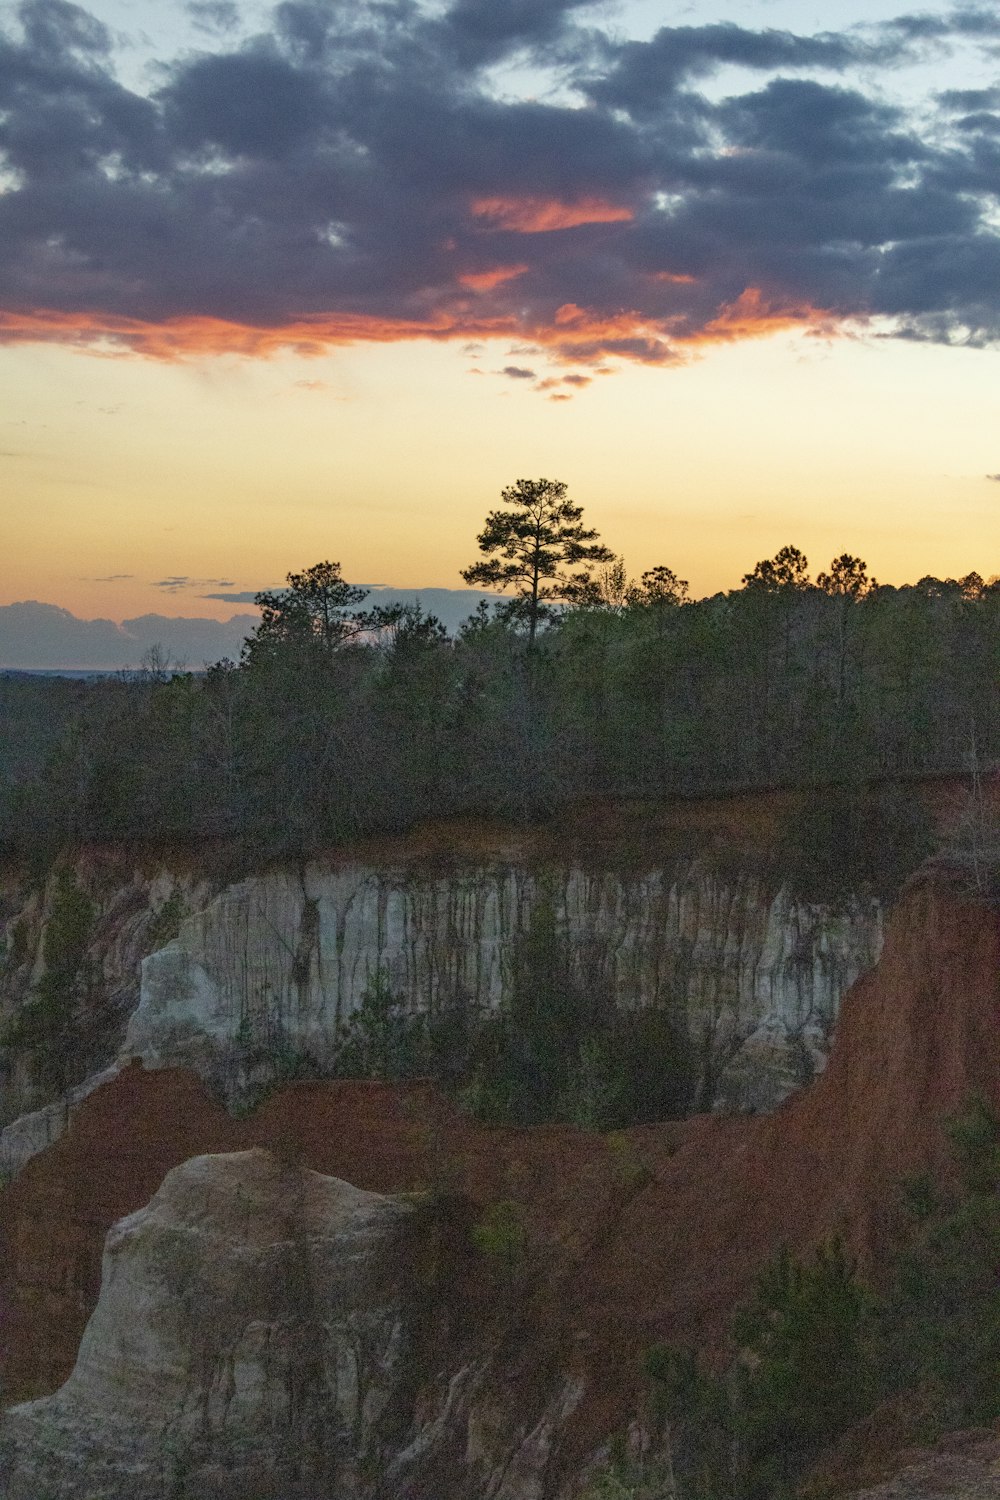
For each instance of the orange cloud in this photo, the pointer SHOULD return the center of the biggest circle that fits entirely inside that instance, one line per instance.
(752, 317)
(183, 338)
(572, 335)
(540, 215)
(553, 381)
(485, 281)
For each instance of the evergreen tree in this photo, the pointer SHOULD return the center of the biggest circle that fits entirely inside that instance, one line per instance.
(534, 547)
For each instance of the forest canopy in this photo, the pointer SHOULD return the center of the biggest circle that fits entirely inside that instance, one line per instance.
(338, 722)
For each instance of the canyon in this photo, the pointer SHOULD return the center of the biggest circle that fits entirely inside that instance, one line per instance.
(474, 1325)
(690, 912)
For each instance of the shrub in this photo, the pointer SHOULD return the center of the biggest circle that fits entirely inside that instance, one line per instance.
(50, 1028)
(805, 1373)
(940, 1321)
(500, 1233)
(382, 1039)
(165, 923)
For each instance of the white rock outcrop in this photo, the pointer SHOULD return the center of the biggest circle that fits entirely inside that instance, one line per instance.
(281, 960)
(248, 1340)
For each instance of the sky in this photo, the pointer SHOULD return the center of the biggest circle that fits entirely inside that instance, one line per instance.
(281, 283)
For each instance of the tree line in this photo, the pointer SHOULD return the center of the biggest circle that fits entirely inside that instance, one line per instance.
(339, 721)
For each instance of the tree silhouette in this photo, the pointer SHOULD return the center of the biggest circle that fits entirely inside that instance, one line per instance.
(533, 546)
(787, 571)
(317, 608)
(848, 577)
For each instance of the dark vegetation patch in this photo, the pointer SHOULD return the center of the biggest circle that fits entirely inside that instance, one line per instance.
(825, 1365)
(832, 690)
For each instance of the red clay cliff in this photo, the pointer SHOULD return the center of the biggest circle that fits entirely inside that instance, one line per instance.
(651, 1235)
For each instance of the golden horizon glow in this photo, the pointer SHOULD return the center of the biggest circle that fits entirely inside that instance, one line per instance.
(386, 459)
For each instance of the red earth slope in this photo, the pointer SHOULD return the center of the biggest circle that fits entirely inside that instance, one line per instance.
(652, 1235)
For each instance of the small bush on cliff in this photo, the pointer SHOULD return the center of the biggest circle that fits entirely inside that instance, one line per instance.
(500, 1233)
(628, 1476)
(803, 1375)
(383, 1038)
(165, 922)
(940, 1320)
(693, 1410)
(806, 1372)
(50, 1030)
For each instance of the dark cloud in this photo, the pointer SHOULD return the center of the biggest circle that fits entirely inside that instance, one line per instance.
(35, 635)
(452, 606)
(483, 31)
(964, 21)
(181, 581)
(112, 578)
(643, 77)
(994, 476)
(964, 100)
(350, 175)
(243, 596)
(213, 15)
(983, 123)
(518, 372)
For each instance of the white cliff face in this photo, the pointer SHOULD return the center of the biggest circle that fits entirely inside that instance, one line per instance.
(283, 960)
(249, 1339)
(272, 966)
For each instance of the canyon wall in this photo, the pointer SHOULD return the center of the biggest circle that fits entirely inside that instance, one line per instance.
(240, 978)
(282, 961)
(547, 1260)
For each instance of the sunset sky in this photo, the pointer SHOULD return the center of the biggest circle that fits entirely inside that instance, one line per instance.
(316, 280)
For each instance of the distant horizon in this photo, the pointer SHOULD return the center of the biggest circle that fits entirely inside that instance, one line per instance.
(37, 637)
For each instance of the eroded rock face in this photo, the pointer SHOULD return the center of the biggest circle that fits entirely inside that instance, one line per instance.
(964, 1466)
(263, 971)
(280, 961)
(250, 1338)
(133, 912)
(530, 1359)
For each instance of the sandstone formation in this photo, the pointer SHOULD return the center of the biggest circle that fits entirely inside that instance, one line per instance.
(683, 907)
(279, 962)
(563, 1255)
(250, 1338)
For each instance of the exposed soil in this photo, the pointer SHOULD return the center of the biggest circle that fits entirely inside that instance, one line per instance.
(654, 1234)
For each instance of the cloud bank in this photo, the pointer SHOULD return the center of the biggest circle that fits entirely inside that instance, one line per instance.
(352, 173)
(35, 636)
